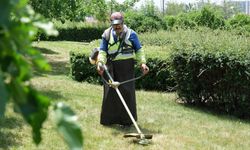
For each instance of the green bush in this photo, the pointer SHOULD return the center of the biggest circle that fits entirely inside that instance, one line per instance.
(159, 77)
(187, 20)
(214, 71)
(211, 18)
(239, 20)
(206, 17)
(240, 24)
(81, 69)
(141, 22)
(162, 38)
(205, 66)
(170, 21)
(76, 31)
(216, 81)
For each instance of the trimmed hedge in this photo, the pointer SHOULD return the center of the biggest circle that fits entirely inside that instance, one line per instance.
(214, 71)
(240, 23)
(76, 31)
(208, 67)
(81, 69)
(159, 77)
(215, 80)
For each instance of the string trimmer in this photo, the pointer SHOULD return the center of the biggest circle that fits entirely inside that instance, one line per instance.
(141, 138)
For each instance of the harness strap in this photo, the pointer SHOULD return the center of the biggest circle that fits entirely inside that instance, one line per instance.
(120, 48)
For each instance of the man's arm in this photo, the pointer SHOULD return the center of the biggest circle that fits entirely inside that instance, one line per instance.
(102, 56)
(139, 52)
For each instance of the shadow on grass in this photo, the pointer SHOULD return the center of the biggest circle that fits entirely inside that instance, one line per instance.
(214, 112)
(59, 68)
(53, 95)
(10, 122)
(8, 125)
(121, 130)
(7, 138)
(45, 50)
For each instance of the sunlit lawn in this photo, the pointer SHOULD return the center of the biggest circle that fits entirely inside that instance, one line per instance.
(173, 125)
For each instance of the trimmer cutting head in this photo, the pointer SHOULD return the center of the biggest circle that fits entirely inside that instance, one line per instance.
(142, 139)
(137, 135)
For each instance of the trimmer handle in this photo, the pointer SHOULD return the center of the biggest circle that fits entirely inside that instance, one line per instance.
(105, 68)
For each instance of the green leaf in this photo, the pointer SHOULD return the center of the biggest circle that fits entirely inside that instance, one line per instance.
(23, 68)
(68, 127)
(5, 8)
(34, 111)
(18, 92)
(4, 96)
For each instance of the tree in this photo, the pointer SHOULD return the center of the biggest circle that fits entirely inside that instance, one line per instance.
(60, 9)
(73, 10)
(126, 6)
(18, 26)
(149, 9)
(174, 8)
(229, 9)
(96, 8)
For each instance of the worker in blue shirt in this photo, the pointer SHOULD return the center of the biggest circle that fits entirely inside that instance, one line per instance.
(120, 49)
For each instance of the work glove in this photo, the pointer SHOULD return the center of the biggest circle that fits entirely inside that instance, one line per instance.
(100, 68)
(144, 69)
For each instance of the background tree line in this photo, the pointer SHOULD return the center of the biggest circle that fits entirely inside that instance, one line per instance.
(69, 17)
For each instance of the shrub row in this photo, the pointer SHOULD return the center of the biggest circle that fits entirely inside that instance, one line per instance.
(210, 67)
(214, 80)
(159, 77)
(71, 31)
(143, 22)
(208, 16)
(214, 70)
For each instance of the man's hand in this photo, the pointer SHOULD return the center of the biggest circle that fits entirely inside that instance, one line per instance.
(144, 69)
(100, 68)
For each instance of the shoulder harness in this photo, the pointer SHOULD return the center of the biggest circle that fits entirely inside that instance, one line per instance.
(125, 46)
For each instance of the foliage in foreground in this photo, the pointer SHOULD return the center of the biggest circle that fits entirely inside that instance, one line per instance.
(18, 26)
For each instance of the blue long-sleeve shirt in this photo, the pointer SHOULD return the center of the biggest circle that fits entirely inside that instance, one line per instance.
(133, 39)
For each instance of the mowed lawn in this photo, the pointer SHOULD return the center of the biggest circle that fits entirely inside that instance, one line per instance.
(173, 125)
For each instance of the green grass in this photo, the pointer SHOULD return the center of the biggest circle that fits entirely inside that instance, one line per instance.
(173, 125)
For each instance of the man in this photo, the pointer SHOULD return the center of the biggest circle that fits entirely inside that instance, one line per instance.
(119, 49)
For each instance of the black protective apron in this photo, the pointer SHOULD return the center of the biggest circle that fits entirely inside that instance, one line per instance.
(113, 111)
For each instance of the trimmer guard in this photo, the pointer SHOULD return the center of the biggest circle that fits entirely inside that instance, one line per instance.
(137, 135)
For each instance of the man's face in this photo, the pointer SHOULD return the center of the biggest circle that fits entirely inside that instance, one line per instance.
(118, 28)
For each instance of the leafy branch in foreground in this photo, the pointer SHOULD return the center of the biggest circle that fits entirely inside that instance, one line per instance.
(18, 26)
